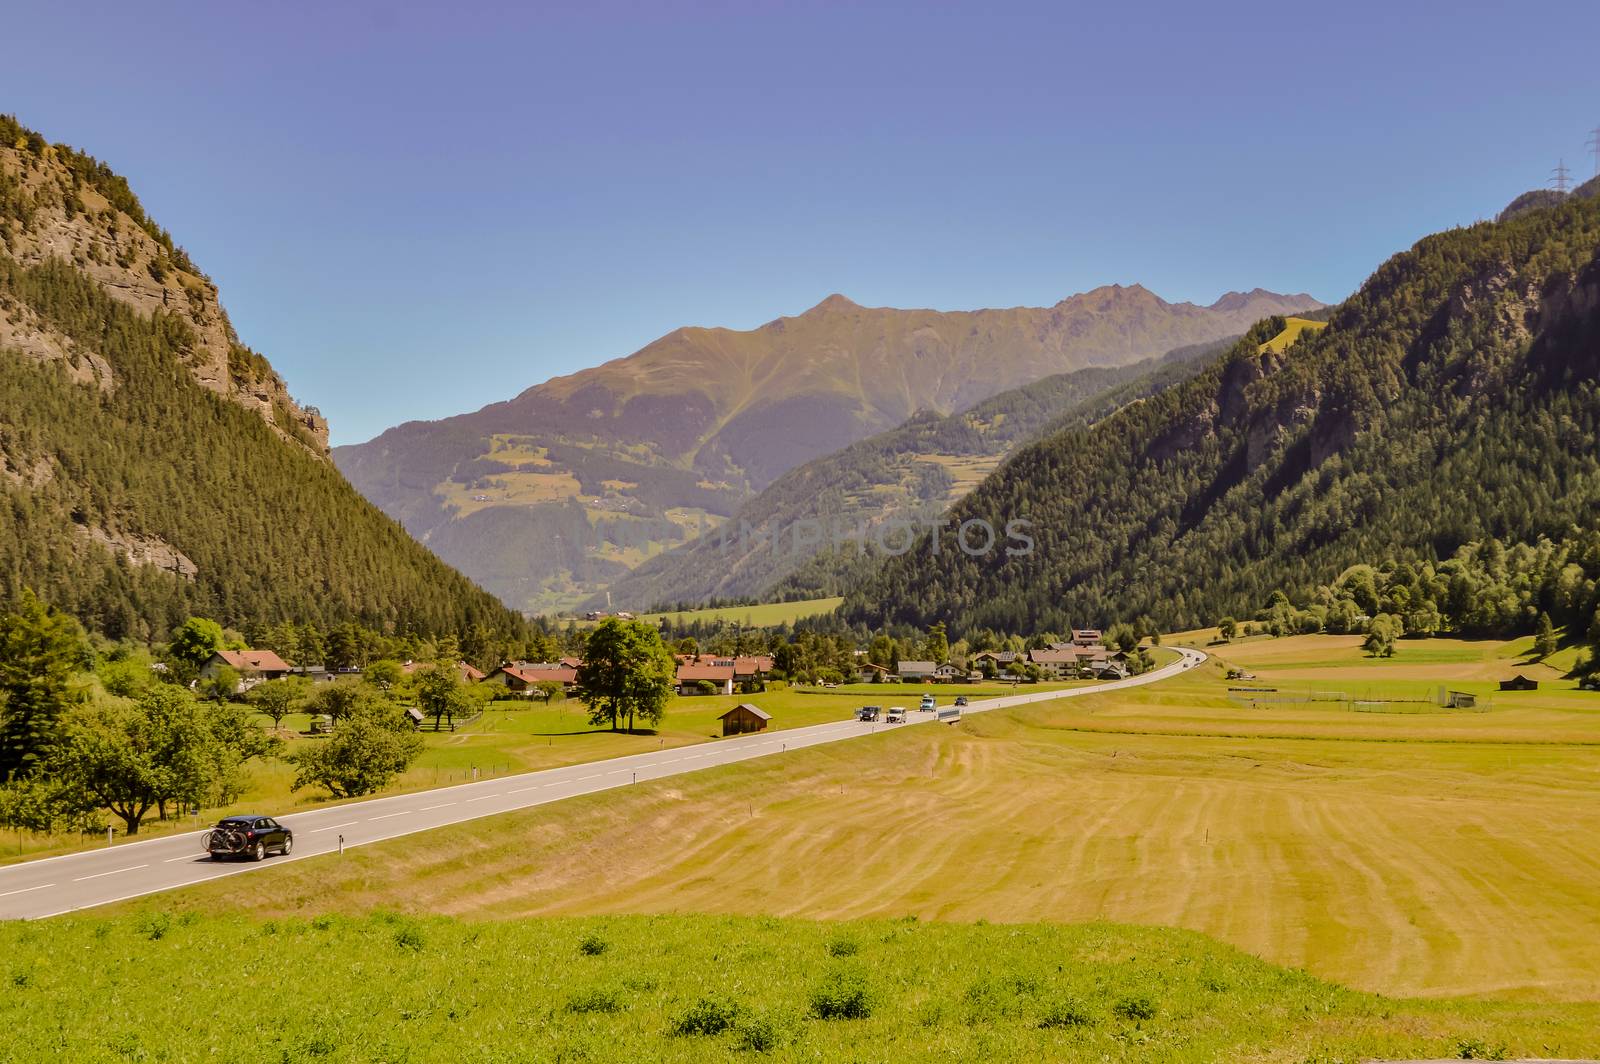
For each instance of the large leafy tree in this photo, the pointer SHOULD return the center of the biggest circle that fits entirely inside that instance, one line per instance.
(138, 757)
(40, 650)
(440, 694)
(627, 672)
(193, 642)
(371, 745)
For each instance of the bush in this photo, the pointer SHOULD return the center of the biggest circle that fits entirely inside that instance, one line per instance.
(1135, 1007)
(1069, 1012)
(592, 945)
(843, 994)
(760, 1032)
(843, 947)
(595, 999)
(154, 926)
(706, 1017)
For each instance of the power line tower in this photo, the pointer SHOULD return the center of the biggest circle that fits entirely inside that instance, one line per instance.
(1561, 178)
(1594, 148)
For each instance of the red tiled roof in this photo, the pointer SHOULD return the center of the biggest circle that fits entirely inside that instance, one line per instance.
(254, 660)
(718, 673)
(750, 664)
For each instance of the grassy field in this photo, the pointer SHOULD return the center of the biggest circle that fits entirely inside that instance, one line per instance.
(1292, 329)
(698, 988)
(765, 615)
(1410, 853)
(526, 737)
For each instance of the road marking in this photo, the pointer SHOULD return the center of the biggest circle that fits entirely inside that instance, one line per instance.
(24, 890)
(114, 871)
(334, 827)
(386, 816)
(441, 805)
(582, 779)
(185, 857)
(486, 797)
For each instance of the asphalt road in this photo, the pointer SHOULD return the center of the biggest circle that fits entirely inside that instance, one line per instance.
(55, 885)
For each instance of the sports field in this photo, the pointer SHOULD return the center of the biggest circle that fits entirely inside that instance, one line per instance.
(1433, 853)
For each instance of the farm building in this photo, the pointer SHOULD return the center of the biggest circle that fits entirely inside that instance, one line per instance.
(251, 665)
(692, 675)
(744, 718)
(1519, 683)
(912, 671)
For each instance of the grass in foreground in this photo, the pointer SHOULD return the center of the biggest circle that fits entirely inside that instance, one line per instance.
(677, 988)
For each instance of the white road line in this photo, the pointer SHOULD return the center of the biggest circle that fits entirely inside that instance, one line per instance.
(24, 890)
(582, 779)
(185, 857)
(334, 827)
(386, 816)
(519, 790)
(441, 805)
(486, 797)
(114, 871)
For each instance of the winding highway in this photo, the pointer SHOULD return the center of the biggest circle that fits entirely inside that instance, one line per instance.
(52, 886)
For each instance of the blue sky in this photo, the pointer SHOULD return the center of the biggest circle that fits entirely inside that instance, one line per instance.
(414, 210)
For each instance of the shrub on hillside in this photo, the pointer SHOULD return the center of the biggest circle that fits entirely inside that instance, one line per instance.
(843, 994)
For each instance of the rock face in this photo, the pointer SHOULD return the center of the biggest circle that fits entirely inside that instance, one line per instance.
(60, 204)
(546, 498)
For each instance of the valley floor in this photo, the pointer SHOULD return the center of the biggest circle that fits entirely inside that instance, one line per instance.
(1406, 850)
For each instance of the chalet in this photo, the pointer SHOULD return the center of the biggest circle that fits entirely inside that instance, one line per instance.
(948, 673)
(744, 718)
(253, 666)
(692, 674)
(914, 671)
(1086, 637)
(1519, 683)
(868, 672)
(523, 677)
(752, 667)
(1111, 670)
(1000, 659)
(1062, 662)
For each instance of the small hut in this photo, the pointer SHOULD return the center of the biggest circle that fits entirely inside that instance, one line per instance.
(1519, 682)
(744, 718)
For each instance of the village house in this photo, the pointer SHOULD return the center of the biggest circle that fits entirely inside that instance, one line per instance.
(867, 672)
(753, 668)
(999, 659)
(1086, 637)
(253, 666)
(523, 677)
(915, 671)
(948, 673)
(692, 674)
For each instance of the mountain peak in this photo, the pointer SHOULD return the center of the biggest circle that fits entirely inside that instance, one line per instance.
(834, 304)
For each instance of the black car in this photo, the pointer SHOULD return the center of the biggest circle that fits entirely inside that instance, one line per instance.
(248, 836)
(961, 700)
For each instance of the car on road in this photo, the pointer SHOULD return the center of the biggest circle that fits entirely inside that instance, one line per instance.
(929, 703)
(867, 713)
(251, 837)
(961, 700)
(897, 715)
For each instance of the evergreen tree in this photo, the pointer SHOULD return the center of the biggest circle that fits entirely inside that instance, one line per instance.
(40, 650)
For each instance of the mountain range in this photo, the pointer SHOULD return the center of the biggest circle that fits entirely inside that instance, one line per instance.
(1455, 398)
(548, 498)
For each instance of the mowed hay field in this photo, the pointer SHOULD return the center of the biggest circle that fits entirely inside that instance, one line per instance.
(1417, 853)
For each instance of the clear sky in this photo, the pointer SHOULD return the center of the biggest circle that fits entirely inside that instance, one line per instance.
(415, 209)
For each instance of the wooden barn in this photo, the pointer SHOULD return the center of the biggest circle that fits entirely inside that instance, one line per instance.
(744, 718)
(1519, 682)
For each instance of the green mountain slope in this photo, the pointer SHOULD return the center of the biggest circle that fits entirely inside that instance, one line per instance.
(782, 540)
(551, 496)
(147, 474)
(1453, 398)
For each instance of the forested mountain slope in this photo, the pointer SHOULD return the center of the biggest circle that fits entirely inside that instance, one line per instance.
(551, 496)
(152, 467)
(1452, 399)
(908, 475)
